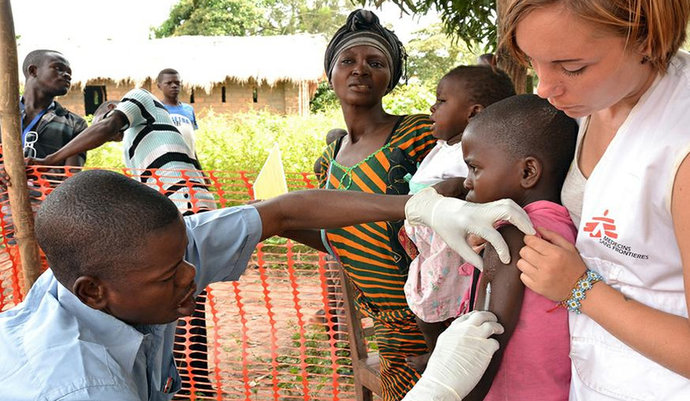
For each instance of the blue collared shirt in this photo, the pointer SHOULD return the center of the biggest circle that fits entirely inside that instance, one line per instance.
(54, 347)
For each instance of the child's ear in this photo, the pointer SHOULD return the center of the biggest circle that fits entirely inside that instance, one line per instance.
(474, 110)
(91, 291)
(531, 172)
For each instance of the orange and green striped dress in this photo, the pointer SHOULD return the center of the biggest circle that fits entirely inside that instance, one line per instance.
(371, 254)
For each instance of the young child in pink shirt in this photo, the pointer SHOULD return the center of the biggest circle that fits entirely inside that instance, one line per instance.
(521, 148)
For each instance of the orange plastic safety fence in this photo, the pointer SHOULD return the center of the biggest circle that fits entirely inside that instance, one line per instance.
(279, 333)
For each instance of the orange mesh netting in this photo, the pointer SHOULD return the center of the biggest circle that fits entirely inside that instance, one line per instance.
(277, 334)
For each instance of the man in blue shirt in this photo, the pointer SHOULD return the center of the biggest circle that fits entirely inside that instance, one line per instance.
(181, 114)
(99, 324)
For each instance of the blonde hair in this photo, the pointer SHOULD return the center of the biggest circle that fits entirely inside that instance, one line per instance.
(656, 26)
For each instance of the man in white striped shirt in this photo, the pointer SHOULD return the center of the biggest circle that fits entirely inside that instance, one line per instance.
(154, 149)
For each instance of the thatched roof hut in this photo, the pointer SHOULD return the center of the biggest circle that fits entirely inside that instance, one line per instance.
(260, 67)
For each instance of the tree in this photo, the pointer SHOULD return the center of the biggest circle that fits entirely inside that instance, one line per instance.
(247, 17)
(324, 17)
(285, 17)
(473, 21)
(211, 17)
(432, 53)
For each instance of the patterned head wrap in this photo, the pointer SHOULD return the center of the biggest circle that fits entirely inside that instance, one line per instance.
(363, 28)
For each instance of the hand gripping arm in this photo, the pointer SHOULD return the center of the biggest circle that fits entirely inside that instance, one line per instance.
(454, 219)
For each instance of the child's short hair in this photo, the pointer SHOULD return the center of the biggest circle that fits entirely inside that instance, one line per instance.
(527, 125)
(483, 84)
(94, 222)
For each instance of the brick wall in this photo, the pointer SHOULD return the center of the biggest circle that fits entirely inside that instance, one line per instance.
(239, 97)
(282, 98)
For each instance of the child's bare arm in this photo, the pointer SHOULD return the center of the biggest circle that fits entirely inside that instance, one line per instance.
(505, 302)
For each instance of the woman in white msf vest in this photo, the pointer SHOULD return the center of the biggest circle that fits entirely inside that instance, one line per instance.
(615, 64)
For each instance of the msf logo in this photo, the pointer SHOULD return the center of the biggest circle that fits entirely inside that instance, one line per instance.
(600, 225)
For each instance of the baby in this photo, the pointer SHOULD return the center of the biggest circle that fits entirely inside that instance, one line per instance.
(436, 282)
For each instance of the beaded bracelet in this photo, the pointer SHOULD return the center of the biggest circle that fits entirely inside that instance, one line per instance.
(584, 284)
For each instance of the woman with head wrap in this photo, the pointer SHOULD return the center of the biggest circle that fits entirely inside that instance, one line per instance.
(364, 61)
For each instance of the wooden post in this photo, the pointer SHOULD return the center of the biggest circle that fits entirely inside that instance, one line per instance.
(12, 149)
(515, 70)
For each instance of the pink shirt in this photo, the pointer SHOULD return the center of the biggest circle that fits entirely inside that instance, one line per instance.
(535, 364)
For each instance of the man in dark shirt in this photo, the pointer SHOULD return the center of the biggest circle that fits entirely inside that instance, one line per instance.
(48, 74)
(46, 125)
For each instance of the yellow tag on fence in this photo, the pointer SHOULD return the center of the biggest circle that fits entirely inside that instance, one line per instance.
(271, 179)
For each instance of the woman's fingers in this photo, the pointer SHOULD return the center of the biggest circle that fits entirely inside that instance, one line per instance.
(554, 238)
(529, 251)
(528, 282)
(526, 267)
(550, 265)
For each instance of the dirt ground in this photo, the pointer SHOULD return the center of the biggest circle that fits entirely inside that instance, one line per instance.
(269, 340)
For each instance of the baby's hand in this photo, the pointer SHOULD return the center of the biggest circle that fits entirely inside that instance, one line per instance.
(476, 242)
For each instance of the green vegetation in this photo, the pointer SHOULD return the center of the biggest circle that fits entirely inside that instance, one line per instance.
(242, 141)
(324, 98)
(210, 17)
(250, 17)
(432, 53)
(413, 98)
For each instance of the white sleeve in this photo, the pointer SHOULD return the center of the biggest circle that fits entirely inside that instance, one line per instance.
(138, 106)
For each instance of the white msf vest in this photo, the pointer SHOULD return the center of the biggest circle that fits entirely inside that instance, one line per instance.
(626, 234)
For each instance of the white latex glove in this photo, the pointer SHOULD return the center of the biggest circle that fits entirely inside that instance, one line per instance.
(454, 219)
(462, 354)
